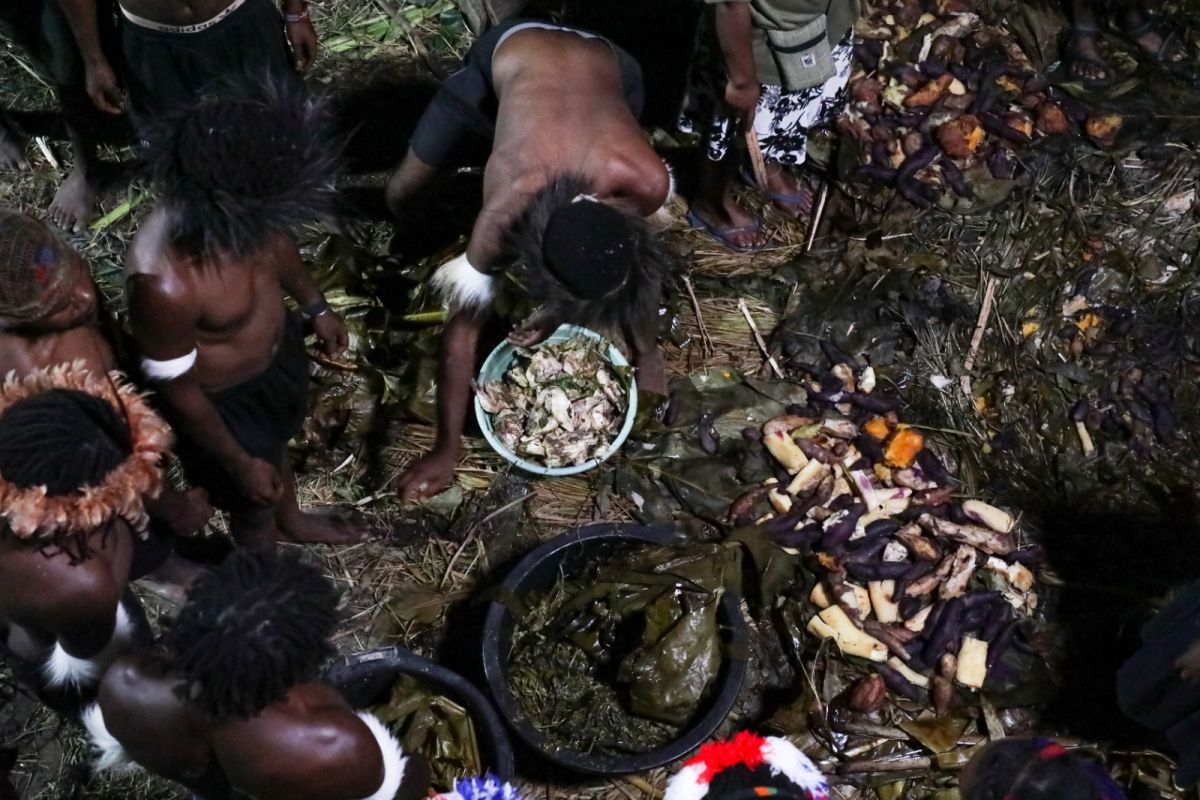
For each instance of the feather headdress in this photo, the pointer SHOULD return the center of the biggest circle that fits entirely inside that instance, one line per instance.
(31, 513)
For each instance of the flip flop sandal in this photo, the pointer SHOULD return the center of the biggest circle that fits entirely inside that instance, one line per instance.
(797, 199)
(1169, 39)
(1072, 55)
(723, 235)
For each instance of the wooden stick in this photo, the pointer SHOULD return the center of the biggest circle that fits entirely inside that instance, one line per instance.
(989, 295)
(705, 340)
(758, 338)
(816, 217)
(757, 163)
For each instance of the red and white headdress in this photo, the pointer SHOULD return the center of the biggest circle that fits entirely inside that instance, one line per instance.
(747, 750)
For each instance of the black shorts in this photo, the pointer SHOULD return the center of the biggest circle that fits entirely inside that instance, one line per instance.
(165, 71)
(262, 414)
(467, 103)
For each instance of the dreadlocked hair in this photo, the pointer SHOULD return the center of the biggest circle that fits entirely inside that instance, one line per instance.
(28, 272)
(1020, 769)
(251, 630)
(62, 439)
(630, 308)
(252, 157)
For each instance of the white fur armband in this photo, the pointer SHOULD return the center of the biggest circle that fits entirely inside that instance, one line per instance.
(110, 755)
(170, 369)
(462, 286)
(64, 671)
(394, 760)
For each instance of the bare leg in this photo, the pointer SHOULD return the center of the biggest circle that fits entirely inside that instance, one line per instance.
(1082, 58)
(74, 203)
(294, 525)
(716, 205)
(255, 528)
(790, 194)
(406, 182)
(12, 147)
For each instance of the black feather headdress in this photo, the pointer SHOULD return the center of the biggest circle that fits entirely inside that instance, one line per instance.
(584, 262)
(251, 157)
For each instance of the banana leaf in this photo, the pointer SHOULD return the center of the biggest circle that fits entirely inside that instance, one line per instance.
(433, 726)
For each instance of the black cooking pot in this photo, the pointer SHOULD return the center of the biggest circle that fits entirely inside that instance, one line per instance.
(568, 554)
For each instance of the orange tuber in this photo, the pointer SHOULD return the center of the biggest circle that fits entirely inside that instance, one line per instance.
(902, 450)
(877, 428)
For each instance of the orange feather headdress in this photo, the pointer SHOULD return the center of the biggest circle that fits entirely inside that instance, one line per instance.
(31, 514)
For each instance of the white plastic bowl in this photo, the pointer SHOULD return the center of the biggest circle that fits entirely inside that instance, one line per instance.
(499, 362)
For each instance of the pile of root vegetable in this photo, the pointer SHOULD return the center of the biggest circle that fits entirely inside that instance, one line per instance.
(939, 98)
(930, 589)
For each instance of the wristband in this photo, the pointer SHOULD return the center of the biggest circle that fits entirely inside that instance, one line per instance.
(314, 310)
(303, 15)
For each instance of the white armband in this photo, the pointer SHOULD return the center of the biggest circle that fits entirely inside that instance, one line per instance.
(394, 760)
(462, 286)
(168, 370)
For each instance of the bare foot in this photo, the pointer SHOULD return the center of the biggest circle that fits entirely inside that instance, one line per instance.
(313, 528)
(789, 194)
(74, 203)
(1154, 39)
(185, 513)
(12, 149)
(174, 578)
(1082, 58)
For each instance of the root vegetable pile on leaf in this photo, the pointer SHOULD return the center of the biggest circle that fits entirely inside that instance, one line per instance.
(559, 404)
(910, 579)
(936, 94)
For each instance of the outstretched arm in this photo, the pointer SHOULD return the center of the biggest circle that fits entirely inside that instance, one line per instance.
(101, 80)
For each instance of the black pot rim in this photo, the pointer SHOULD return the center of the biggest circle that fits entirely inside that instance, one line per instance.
(476, 702)
(732, 675)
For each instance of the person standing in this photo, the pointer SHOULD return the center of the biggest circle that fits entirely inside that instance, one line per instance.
(779, 68)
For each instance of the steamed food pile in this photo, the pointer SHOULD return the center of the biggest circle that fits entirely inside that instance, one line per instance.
(559, 405)
(929, 589)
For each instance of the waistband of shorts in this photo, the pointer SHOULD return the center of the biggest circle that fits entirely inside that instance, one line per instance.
(196, 27)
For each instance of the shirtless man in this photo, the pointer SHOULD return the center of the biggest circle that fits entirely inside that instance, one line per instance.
(567, 185)
(207, 273)
(49, 304)
(78, 452)
(176, 49)
(231, 701)
(67, 41)
(51, 314)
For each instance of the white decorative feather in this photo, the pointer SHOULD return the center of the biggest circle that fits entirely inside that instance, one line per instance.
(63, 670)
(394, 760)
(686, 785)
(784, 757)
(171, 368)
(462, 286)
(110, 754)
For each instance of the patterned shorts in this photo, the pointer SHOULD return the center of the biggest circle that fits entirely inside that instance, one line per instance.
(782, 120)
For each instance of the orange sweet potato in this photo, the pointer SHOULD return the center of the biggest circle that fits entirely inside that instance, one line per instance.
(903, 447)
(878, 428)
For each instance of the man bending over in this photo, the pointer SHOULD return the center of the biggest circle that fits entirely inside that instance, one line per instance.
(207, 274)
(78, 453)
(230, 701)
(567, 186)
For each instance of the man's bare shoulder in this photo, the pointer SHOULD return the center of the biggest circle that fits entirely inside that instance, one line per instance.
(150, 252)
